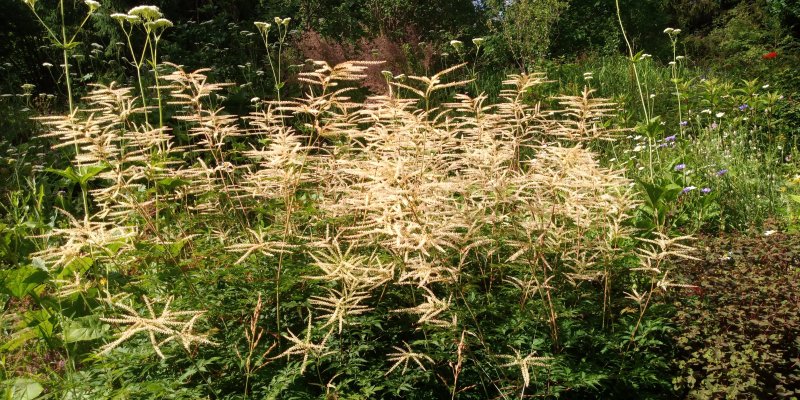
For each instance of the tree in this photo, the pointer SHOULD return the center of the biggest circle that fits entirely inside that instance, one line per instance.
(526, 26)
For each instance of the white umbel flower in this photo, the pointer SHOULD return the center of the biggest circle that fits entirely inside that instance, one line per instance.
(92, 4)
(150, 13)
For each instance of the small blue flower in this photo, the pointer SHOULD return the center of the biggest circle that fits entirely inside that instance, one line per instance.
(684, 123)
(722, 172)
(705, 190)
(743, 107)
(680, 167)
(688, 189)
(669, 139)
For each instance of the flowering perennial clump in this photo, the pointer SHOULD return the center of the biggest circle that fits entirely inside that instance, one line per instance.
(392, 197)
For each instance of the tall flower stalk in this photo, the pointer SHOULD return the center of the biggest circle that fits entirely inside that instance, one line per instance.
(65, 42)
(673, 38)
(633, 59)
(282, 25)
(154, 25)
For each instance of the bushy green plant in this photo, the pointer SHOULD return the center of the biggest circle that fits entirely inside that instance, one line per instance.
(738, 327)
(397, 253)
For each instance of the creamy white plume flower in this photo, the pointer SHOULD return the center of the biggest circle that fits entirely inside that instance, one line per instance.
(477, 41)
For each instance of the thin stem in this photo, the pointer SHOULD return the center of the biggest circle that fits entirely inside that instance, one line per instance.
(138, 64)
(675, 80)
(66, 58)
(633, 62)
(154, 64)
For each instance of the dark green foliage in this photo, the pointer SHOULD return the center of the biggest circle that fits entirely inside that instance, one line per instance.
(739, 326)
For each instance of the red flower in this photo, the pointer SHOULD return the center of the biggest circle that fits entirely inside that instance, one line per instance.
(770, 55)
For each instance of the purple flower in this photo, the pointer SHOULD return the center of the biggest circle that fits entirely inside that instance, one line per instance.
(714, 126)
(669, 139)
(688, 189)
(680, 167)
(684, 123)
(722, 172)
(743, 107)
(705, 190)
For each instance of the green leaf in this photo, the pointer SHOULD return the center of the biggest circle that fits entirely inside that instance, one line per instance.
(70, 45)
(21, 281)
(25, 389)
(84, 328)
(87, 173)
(78, 265)
(172, 183)
(176, 247)
(82, 175)
(40, 321)
(68, 173)
(18, 338)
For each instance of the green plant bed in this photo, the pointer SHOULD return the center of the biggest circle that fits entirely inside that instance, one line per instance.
(739, 328)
